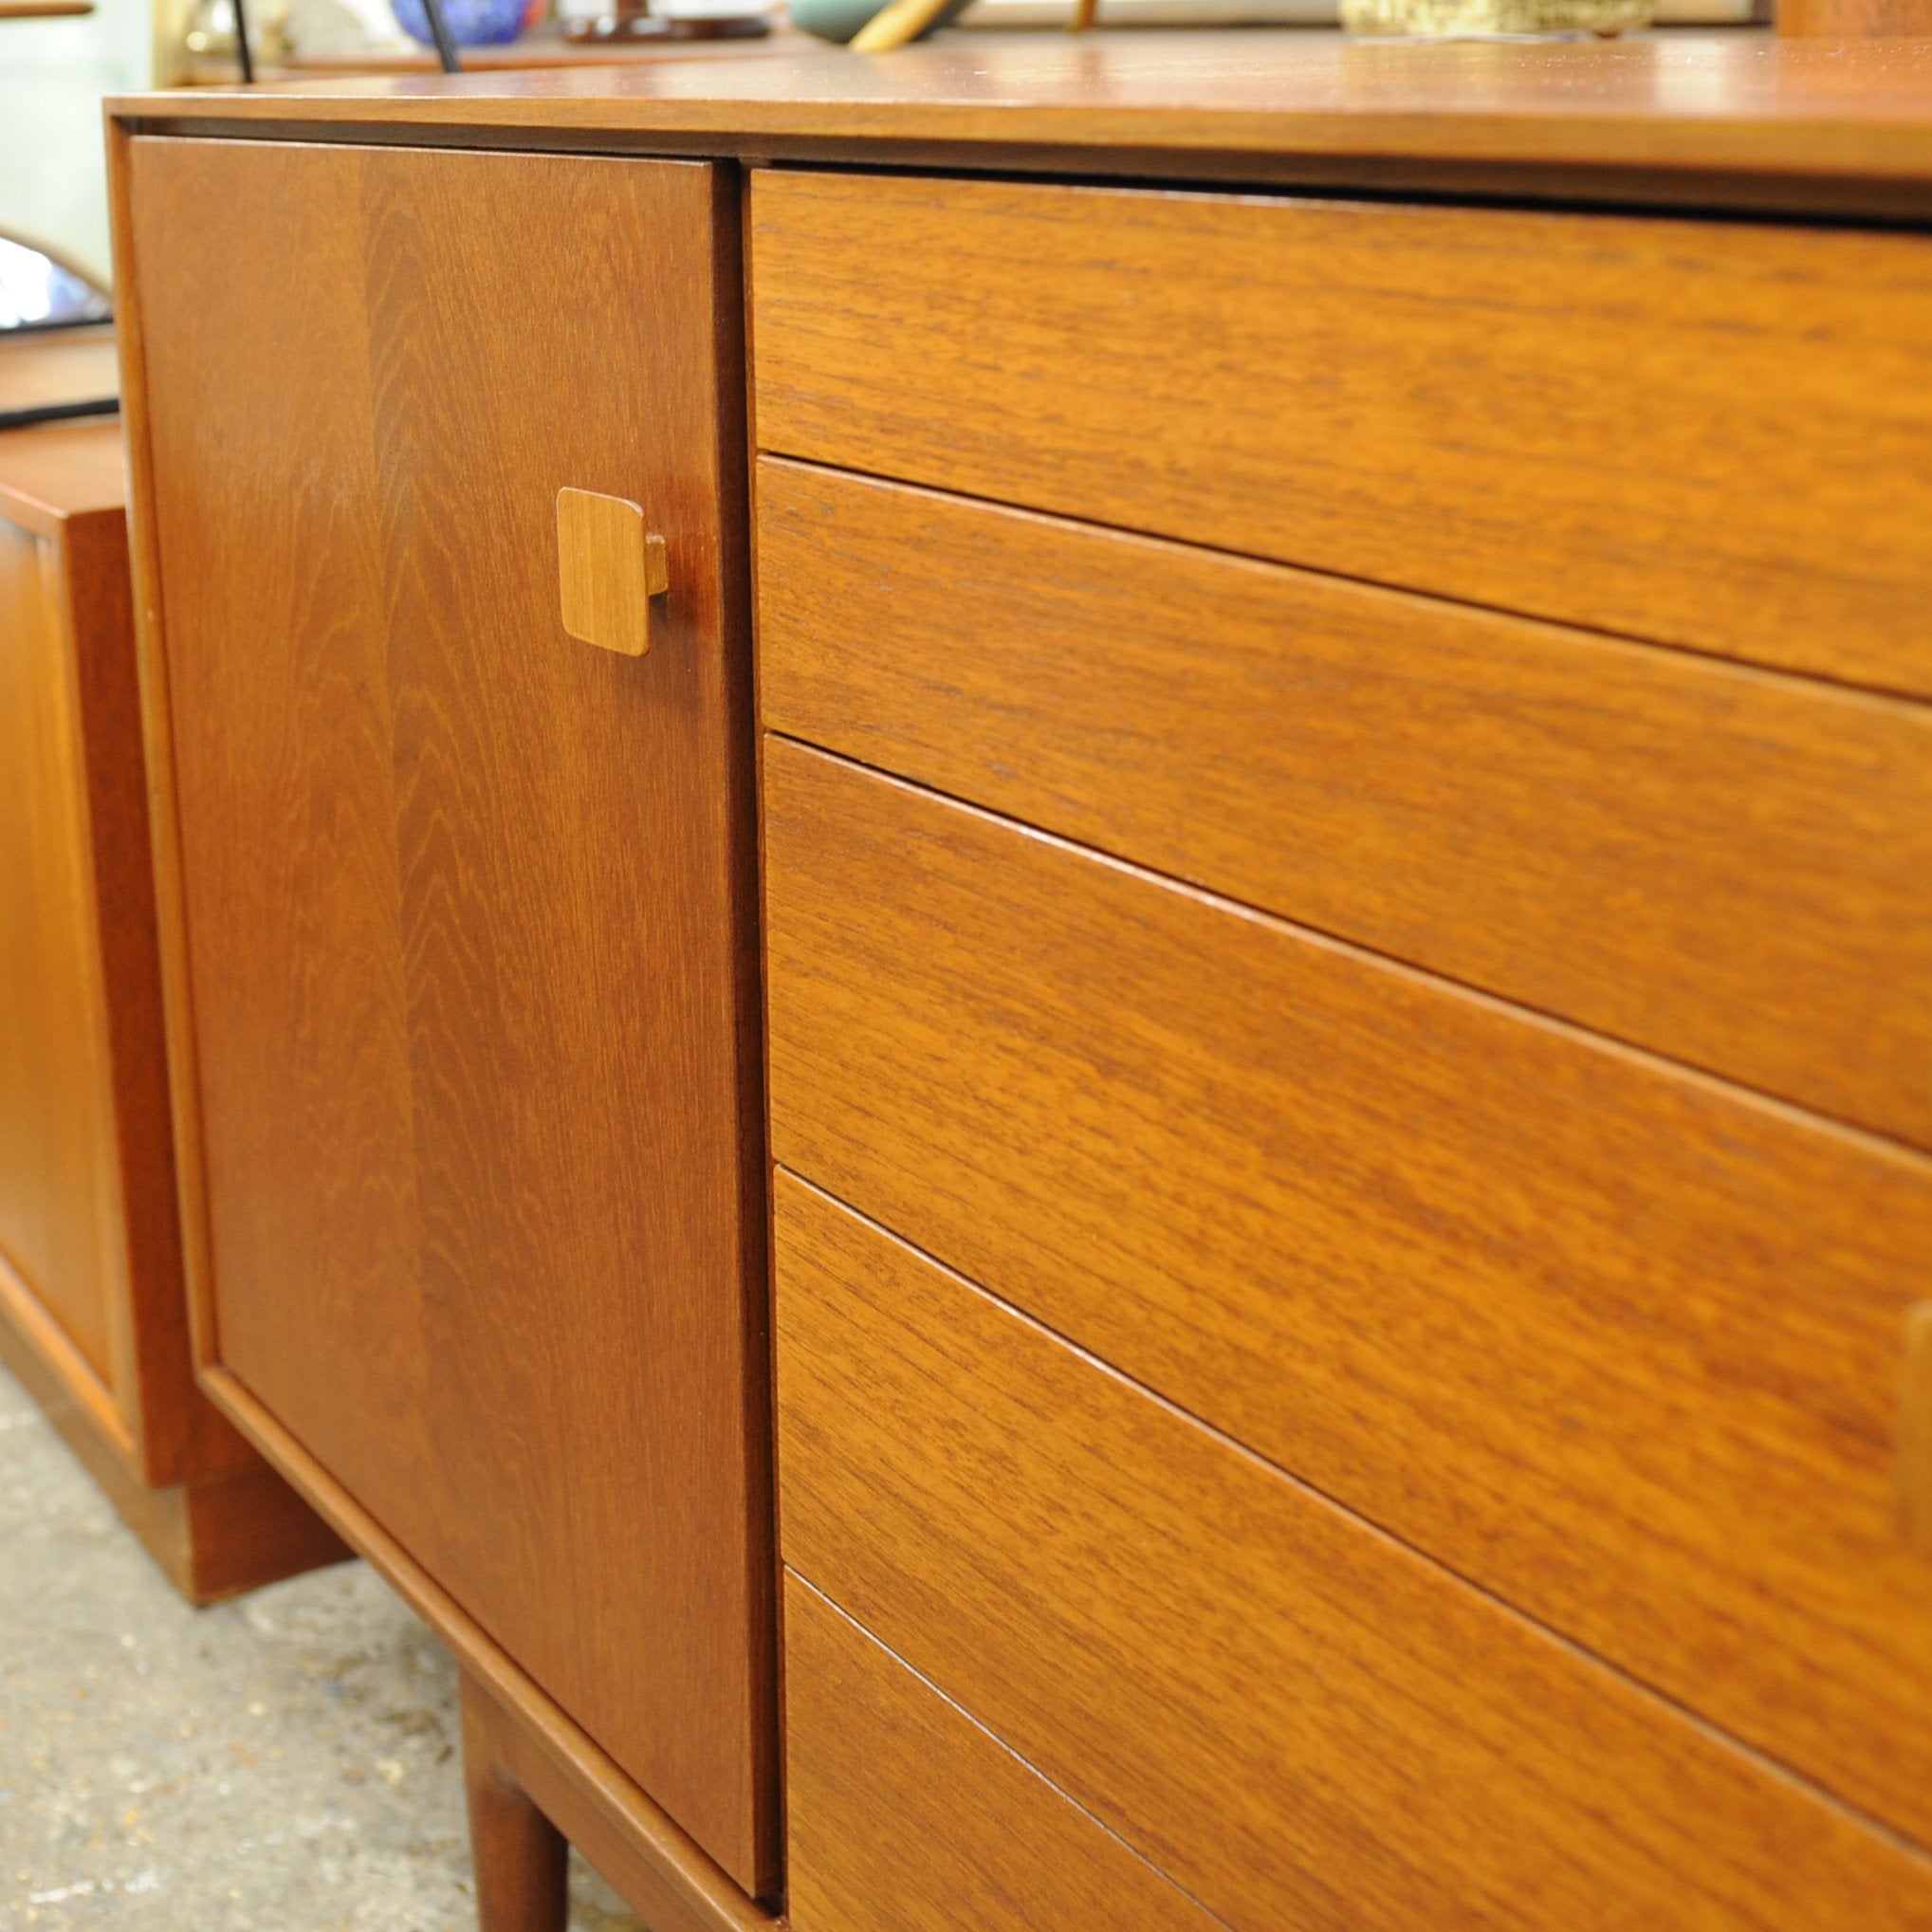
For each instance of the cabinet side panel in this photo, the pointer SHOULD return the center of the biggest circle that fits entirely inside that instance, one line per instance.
(59, 1200)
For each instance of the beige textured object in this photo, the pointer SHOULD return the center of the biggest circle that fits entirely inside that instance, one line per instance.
(1496, 16)
(895, 24)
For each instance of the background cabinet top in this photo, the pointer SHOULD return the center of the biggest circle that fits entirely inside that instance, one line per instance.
(1735, 119)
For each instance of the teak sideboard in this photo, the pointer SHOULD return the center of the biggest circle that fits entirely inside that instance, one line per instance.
(1048, 933)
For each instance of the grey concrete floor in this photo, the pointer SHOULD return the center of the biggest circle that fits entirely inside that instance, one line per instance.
(283, 1763)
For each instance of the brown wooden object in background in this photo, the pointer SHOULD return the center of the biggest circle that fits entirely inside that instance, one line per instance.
(461, 943)
(92, 1314)
(1791, 125)
(49, 369)
(1854, 19)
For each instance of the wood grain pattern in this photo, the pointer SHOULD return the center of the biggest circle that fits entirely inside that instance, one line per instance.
(900, 1811)
(1621, 389)
(1617, 1343)
(245, 1527)
(60, 1218)
(1854, 19)
(466, 906)
(63, 1377)
(1715, 119)
(669, 1880)
(62, 366)
(522, 1861)
(62, 470)
(1730, 868)
(92, 1311)
(182, 1437)
(90, 1193)
(609, 568)
(1915, 1433)
(1303, 1722)
(232, 1530)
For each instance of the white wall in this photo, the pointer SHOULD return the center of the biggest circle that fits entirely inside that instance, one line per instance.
(53, 179)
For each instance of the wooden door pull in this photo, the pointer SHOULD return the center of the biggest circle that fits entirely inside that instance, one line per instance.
(609, 568)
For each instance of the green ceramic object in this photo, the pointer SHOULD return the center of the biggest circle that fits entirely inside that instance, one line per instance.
(840, 19)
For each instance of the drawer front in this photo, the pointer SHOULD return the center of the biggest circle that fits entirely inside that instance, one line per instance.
(902, 1811)
(1619, 1344)
(1706, 434)
(1732, 868)
(468, 907)
(1303, 1723)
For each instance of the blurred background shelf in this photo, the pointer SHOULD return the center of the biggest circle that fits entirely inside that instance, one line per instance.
(544, 47)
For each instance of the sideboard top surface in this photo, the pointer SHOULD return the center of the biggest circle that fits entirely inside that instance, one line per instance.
(58, 470)
(1728, 117)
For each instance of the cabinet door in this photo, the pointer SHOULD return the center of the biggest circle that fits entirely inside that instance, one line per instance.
(60, 1195)
(469, 927)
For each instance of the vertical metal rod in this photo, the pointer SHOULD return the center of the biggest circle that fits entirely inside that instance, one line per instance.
(242, 47)
(439, 32)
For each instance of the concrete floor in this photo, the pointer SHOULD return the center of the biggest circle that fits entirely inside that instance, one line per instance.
(283, 1763)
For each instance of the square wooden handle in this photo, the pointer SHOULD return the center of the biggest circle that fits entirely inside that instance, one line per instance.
(609, 568)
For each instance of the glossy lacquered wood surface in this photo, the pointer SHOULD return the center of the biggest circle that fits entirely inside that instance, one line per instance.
(520, 1859)
(60, 1202)
(1915, 1433)
(668, 1879)
(1731, 868)
(57, 471)
(1709, 114)
(1841, 20)
(39, 369)
(1304, 1723)
(213, 1536)
(1559, 415)
(900, 1810)
(1614, 1341)
(466, 901)
(89, 1113)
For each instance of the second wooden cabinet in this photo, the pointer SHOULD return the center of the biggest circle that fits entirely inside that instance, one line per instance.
(464, 927)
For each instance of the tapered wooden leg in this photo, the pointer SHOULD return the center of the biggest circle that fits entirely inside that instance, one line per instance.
(521, 1858)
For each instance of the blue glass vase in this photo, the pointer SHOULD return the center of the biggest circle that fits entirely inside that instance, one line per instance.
(472, 23)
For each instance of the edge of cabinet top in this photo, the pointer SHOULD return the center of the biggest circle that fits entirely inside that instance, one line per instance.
(59, 471)
(1723, 119)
